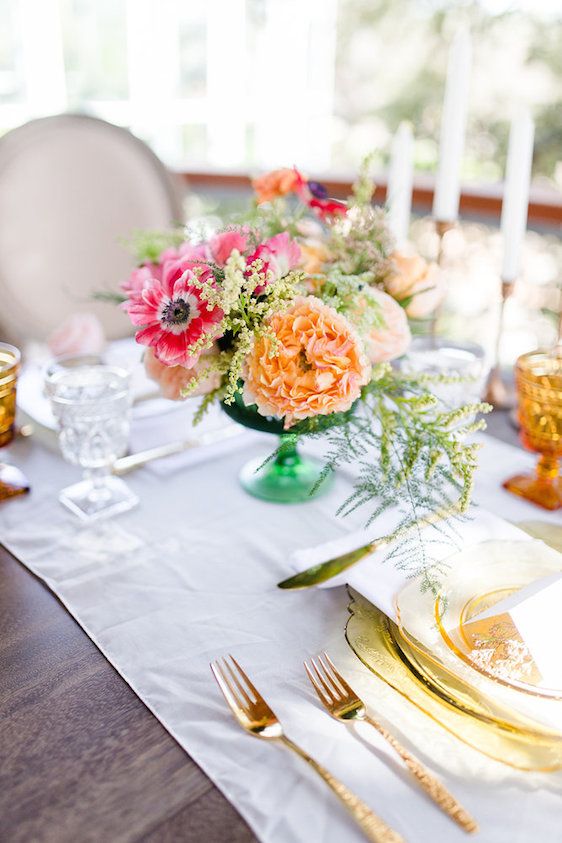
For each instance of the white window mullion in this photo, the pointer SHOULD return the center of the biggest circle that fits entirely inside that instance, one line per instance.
(226, 82)
(153, 71)
(280, 83)
(320, 84)
(43, 57)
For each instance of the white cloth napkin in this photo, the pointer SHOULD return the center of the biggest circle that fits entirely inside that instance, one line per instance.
(380, 582)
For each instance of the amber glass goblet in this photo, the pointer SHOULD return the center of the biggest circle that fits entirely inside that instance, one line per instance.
(12, 481)
(538, 380)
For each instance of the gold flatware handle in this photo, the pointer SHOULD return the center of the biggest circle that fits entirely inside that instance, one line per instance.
(373, 827)
(432, 786)
(324, 571)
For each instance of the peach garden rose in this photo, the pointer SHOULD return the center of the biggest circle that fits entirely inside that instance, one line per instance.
(415, 278)
(316, 367)
(172, 380)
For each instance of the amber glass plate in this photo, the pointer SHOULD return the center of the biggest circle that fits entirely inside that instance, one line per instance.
(483, 724)
(499, 665)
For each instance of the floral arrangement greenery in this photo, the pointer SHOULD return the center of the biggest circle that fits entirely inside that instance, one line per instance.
(298, 310)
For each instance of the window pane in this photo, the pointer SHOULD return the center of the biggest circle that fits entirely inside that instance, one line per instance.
(12, 88)
(95, 50)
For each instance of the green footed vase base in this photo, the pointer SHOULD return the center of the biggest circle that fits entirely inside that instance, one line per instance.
(289, 478)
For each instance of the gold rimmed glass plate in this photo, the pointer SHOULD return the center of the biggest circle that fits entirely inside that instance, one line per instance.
(480, 576)
(488, 728)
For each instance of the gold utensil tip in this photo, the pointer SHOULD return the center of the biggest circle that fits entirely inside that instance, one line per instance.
(342, 702)
(256, 717)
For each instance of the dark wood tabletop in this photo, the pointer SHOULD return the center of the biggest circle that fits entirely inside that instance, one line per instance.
(81, 758)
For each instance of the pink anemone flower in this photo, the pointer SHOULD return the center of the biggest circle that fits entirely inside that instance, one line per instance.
(172, 315)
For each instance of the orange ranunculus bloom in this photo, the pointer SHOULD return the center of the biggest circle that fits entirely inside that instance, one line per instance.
(276, 183)
(319, 365)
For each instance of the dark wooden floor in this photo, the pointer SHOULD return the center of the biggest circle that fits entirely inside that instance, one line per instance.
(81, 758)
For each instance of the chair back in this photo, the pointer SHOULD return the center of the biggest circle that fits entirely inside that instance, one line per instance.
(73, 188)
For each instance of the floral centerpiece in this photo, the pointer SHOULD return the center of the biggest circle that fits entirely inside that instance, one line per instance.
(290, 317)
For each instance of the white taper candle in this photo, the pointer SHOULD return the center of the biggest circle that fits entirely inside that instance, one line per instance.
(400, 183)
(515, 203)
(453, 129)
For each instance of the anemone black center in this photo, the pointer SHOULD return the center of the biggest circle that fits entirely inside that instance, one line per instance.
(176, 312)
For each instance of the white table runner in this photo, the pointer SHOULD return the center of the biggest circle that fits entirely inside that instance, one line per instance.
(192, 574)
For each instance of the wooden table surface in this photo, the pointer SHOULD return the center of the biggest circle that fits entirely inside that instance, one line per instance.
(82, 759)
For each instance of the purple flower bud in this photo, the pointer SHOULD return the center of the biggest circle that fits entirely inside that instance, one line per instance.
(318, 190)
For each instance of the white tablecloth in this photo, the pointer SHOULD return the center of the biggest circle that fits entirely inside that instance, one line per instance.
(191, 574)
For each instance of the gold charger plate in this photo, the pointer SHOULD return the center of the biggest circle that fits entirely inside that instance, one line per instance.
(373, 638)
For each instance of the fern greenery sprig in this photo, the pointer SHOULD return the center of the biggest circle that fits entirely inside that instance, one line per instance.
(412, 458)
(147, 246)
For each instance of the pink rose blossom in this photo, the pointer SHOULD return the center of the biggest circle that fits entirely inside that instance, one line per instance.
(142, 276)
(199, 252)
(222, 245)
(172, 315)
(169, 254)
(392, 339)
(280, 254)
(81, 333)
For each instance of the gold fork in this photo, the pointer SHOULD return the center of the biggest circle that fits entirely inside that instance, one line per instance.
(254, 714)
(342, 702)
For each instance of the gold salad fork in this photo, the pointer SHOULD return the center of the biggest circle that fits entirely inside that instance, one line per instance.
(342, 702)
(254, 714)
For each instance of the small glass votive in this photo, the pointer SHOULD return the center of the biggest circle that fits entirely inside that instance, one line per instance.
(538, 381)
(12, 481)
(91, 403)
(440, 356)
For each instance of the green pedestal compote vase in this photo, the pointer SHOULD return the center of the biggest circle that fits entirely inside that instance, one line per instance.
(286, 476)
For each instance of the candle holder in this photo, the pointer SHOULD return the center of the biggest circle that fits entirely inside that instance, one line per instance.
(441, 228)
(559, 340)
(497, 392)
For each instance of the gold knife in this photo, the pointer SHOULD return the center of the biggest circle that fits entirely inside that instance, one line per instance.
(326, 570)
(125, 464)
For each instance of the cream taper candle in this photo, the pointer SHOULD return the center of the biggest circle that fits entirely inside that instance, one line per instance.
(516, 193)
(453, 128)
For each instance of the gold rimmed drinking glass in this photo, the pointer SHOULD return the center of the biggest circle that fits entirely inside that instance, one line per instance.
(538, 380)
(12, 481)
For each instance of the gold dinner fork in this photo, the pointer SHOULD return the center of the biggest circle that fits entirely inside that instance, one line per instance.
(342, 702)
(254, 714)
